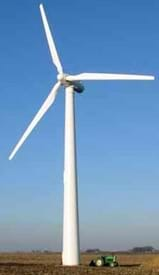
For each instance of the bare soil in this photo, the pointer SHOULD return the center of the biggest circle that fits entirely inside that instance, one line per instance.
(50, 263)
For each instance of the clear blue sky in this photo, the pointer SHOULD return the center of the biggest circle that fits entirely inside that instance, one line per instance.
(117, 124)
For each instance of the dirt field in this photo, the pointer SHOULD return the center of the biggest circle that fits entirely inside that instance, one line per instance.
(47, 264)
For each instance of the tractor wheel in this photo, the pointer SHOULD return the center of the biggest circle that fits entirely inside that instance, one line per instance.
(112, 264)
(99, 262)
(92, 263)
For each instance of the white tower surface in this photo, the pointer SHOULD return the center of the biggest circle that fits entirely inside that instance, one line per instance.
(71, 255)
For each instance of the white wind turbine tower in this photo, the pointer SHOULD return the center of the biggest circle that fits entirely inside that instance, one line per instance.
(71, 84)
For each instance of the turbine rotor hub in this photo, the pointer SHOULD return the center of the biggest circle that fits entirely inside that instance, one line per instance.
(61, 78)
(77, 85)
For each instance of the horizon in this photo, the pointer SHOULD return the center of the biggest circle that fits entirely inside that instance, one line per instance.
(117, 124)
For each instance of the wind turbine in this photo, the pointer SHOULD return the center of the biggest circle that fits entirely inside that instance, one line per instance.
(71, 84)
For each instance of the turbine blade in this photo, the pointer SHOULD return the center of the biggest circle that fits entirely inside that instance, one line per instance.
(46, 105)
(105, 76)
(50, 40)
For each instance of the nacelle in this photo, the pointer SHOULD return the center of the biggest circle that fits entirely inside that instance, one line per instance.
(77, 86)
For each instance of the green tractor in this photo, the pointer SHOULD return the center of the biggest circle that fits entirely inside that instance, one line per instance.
(110, 261)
